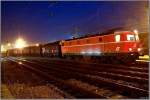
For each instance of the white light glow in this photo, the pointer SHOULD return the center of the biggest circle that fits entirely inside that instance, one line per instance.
(91, 52)
(83, 52)
(117, 37)
(37, 44)
(20, 63)
(139, 49)
(2, 48)
(130, 49)
(97, 52)
(137, 37)
(20, 43)
(9, 44)
(136, 31)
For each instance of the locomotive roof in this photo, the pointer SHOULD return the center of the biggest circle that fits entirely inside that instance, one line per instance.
(93, 35)
(111, 31)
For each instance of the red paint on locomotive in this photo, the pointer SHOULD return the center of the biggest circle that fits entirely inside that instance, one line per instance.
(117, 42)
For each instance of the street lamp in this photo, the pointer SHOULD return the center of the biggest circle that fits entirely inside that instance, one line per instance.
(8, 44)
(20, 43)
(2, 48)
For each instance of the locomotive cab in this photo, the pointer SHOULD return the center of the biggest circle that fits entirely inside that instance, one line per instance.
(128, 45)
(129, 42)
(133, 42)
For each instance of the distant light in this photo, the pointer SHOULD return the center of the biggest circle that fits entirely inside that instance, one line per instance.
(37, 44)
(135, 31)
(130, 49)
(20, 63)
(83, 52)
(9, 44)
(20, 43)
(90, 52)
(139, 49)
(3, 48)
(97, 52)
(144, 57)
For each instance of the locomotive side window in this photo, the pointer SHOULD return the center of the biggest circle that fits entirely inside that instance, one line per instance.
(130, 38)
(88, 41)
(78, 42)
(100, 39)
(117, 38)
(70, 43)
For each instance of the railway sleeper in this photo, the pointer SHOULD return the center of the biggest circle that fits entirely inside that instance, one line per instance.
(129, 89)
(104, 66)
(64, 85)
(108, 75)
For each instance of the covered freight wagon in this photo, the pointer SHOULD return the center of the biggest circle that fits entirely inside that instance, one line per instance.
(52, 49)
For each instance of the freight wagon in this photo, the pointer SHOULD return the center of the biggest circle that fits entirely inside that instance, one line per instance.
(118, 46)
(52, 49)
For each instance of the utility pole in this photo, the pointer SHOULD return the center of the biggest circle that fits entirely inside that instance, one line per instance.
(75, 32)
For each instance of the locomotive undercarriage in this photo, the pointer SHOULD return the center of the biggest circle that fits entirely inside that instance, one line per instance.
(110, 58)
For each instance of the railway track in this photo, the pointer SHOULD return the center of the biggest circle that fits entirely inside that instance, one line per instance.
(103, 81)
(103, 69)
(140, 64)
(119, 77)
(137, 66)
(98, 73)
(132, 67)
(62, 84)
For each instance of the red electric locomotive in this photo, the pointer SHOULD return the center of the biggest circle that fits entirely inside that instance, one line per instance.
(122, 46)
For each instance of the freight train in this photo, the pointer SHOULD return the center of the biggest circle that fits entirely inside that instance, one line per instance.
(117, 46)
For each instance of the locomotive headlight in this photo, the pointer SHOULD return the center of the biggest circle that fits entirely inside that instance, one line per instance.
(130, 49)
(139, 49)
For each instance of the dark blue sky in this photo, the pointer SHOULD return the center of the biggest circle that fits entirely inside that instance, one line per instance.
(49, 21)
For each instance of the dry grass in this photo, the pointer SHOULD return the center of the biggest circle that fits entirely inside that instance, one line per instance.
(24, 84)
(27, 92)
(101, 91)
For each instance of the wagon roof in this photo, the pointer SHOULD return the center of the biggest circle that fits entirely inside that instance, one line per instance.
(52, 43)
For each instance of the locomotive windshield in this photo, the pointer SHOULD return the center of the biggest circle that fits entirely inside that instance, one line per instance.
(130, 37)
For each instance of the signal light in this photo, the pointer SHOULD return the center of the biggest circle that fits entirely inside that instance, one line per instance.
(139, 49)
(130, 49)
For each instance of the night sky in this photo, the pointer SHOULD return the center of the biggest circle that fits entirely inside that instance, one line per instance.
(44, 22)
